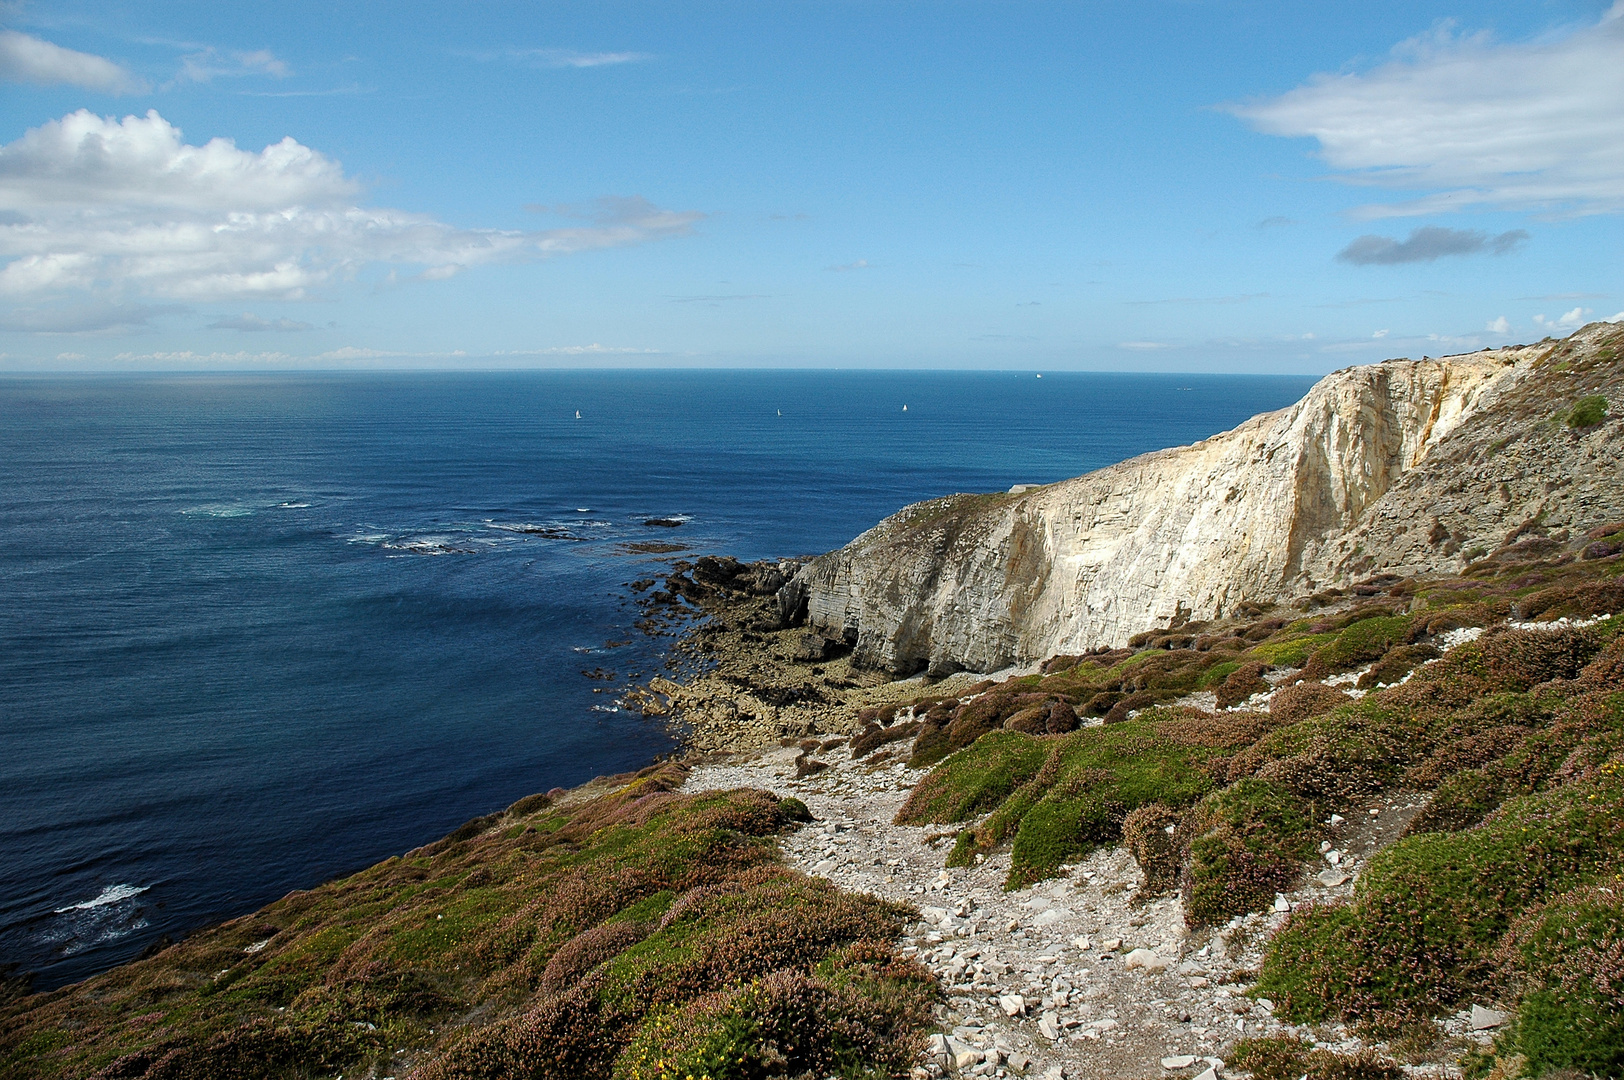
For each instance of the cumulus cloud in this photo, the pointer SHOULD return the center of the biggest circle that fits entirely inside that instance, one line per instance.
(1568, 320)
(248, 321)
(1427, 244)
(1502, 325)
(114, 207)
(26, 59)
(1469, 121)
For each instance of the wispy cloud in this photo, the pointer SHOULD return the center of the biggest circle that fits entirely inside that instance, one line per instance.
(717, 298)
(95, 317)
(860, 264)
(336, 91)
(252, 323)
(25, 59)
(1276, 222)
(593, 349)
(211, 63)
(562, 58)
(91, 204)
(1144, 346)
(1428, 244)
(1238, 298)
(1468, 121)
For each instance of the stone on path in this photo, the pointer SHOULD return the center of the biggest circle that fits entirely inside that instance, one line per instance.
(1178, 1061)
(1331, 878)
(1012, 1004)
(1144, 958)
(1484, 1019)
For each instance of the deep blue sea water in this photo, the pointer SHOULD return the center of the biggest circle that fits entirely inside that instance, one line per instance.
(260, 631)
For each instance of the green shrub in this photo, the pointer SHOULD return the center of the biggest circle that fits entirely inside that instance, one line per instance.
(1429, 911)
(1062, 796)
(1291, 651)
(1568, 956)
(1364, 641)
(1587, 412)
(1246, 843)
(975, 780)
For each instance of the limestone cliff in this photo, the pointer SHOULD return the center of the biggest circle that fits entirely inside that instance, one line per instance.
(1404, 466)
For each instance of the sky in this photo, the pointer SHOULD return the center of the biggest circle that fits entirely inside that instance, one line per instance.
(1178, 185)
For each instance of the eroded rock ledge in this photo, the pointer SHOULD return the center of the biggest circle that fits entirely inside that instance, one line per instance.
(1408, 466)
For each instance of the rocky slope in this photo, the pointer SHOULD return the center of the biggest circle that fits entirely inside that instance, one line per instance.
(1405, 466)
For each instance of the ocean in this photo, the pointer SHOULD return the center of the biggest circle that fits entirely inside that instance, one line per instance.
(258, 631)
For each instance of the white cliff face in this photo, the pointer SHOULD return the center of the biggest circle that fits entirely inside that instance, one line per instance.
(1257, 513)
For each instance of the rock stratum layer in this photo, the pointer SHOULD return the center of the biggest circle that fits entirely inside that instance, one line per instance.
(1408, 466)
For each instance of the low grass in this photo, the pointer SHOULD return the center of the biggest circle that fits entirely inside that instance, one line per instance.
(1587, 412)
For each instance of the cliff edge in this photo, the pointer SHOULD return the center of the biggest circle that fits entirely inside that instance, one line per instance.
(1408, 466)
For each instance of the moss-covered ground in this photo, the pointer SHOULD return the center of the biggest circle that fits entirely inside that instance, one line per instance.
(1504, 887)
(640, 934)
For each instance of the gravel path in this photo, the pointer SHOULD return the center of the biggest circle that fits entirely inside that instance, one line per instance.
(1069, 978)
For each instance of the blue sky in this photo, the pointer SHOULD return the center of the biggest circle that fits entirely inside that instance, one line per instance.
(1131, 186)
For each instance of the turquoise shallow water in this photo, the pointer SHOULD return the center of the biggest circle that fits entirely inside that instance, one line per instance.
(259, 631)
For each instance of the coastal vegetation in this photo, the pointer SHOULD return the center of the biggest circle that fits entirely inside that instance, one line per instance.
(629, 931)
(1496, 694)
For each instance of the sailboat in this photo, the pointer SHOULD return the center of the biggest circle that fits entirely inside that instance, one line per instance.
(577, 414)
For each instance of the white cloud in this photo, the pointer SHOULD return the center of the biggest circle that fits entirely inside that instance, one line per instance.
(1143, 346)
(1502, 325)
(860, 264)
(1569, 320)
(561, 58)
(568, 58)
(1378, 335)
(27, 59)
(1472, 122)
(1617, 318)
(90, 203)
(248, 321)
(593, 349)
(210, 64)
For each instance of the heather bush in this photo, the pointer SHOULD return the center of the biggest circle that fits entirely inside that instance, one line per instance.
(1282, 1058)
(1148, 832)
(1429, 911)
(1240, 684)
(641, 897)
(1303, 700)
(1566, 956)
(1399, 662)
(1246, 843)
(1366, 640)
